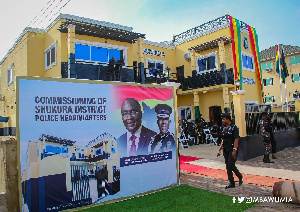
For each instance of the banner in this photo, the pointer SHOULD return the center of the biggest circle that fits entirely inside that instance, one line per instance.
(236, 48)
(85, 142)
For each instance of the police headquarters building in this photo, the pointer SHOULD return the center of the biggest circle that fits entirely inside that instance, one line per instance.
(207, 60)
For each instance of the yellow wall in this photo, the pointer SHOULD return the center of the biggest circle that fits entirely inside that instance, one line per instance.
(185, 100)
(253, 91)
(211, 98)
(53, 35)
(274, 90)
(36, 64)
(183, 48)
(169, 56)
(31, 61)
(18, 58)
(206, 100)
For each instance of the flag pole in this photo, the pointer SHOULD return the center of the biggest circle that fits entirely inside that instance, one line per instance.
(280, 78)
(286, 96)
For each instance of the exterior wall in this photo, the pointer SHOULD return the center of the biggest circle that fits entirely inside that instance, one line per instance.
(169, 56)
(274, 90)
(18, 57)
(183, 48)
(9, 174)
(253, 91)
(293, 69)
(228, 56)
(185, 100)
(211, 98)
(36, 55)
(53, 35)
(31, 61)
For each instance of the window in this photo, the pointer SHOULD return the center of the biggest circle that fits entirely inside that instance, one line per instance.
(245, 42)
(248, 81)
(113, 150)
(247, 60)
(269, 99)
(266, 66)
(154, 66)
(268, 82)
(186, 112)
(10, 74)
(207, 62)
(99, 52)
(98, 152)
(294, 60)
(50, 56)
(296, 77)
(296, 95)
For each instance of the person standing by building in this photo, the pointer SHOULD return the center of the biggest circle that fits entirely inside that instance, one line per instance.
(230, 142)
(273, 141)
(267, 135)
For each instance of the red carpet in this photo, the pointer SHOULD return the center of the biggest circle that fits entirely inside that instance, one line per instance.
(220, 174)
(184, 159)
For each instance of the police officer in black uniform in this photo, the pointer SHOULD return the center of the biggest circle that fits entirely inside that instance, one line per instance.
(164, 141)
(230, 142)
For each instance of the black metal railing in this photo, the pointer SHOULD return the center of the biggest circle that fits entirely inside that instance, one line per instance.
(207, 79)
(206, 28)
(80, 182)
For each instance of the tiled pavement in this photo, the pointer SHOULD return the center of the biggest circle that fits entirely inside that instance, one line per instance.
(289, 160)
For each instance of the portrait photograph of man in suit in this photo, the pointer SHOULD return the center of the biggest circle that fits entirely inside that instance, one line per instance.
(137, 138)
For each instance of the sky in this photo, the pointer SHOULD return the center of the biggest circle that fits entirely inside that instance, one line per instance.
(276, 21)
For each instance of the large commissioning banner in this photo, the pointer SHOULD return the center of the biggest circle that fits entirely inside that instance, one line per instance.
(85, 142)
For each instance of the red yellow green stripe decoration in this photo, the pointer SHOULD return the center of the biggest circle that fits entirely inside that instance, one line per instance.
(255, 50)
(236, 48)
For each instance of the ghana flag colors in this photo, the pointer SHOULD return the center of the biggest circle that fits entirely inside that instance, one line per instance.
(255, 51)
(281, 68)
(236, 48)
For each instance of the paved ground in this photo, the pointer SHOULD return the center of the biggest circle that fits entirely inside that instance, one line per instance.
(287, 167)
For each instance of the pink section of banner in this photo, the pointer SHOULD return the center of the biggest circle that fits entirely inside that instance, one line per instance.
(122, 92)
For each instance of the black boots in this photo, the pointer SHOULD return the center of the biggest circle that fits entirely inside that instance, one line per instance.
(266, 159)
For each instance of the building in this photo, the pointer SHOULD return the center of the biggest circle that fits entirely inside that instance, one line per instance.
(207, 60)
(271, 79)
(57, 168)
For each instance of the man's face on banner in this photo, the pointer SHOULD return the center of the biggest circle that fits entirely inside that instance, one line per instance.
(131, 116)
(163, 124)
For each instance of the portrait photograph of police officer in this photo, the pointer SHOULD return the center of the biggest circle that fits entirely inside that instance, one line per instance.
(164, 141)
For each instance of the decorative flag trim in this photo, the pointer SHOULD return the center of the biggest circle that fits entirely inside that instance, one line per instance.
(255, 50)
(236, 48)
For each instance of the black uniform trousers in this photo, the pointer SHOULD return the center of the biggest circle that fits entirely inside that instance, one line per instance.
(230, 167)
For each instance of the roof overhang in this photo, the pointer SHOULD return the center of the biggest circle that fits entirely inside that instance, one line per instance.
(210, 44)
(95, 30)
